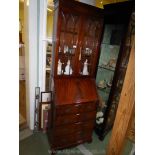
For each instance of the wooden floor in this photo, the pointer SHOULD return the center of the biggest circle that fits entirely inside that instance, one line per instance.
(22, 102)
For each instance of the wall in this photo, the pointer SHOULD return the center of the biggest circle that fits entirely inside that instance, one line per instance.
(21, 17)
(49, 23)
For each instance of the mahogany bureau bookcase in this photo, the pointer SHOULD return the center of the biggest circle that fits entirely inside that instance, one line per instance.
(77, 35)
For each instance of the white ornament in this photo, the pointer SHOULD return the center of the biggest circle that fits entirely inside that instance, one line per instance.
(85, 68)
(101, 120)
(59, 71)
(68, 69)
(99, 114)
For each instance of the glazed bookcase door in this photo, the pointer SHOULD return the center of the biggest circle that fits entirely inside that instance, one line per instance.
(88, 55)
(67, 51)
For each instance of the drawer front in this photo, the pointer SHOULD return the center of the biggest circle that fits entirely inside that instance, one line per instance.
(71, 139)
(73, 128)
(73, 118)
(75, 108)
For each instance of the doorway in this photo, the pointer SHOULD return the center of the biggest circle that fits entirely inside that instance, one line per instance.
(22, 79)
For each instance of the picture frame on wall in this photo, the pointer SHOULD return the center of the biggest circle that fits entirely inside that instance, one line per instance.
(45, 108)
(46, 96)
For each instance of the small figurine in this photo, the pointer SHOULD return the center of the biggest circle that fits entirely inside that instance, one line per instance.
(109, 84)
(112, 63)
(99, 117)
(88, 51)
(102, 84)
(59, 71)
(102, 103)
(68, 69)
(85, 68)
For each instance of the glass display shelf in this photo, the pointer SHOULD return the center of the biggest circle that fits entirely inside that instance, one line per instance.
(107, 68)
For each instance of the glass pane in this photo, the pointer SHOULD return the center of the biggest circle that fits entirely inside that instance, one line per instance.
(107, 64)
(68, 43)
(92, 29)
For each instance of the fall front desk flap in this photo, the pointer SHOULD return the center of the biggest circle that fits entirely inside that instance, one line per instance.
(69, 91)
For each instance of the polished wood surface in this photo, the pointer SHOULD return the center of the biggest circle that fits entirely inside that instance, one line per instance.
(75, 96)
(69, 91)
(75, 108)
(73, 112)
(73, 128)
(78, 117)
(125, 109)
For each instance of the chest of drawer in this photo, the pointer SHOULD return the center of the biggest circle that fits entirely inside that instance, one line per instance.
(75, 108)
(73, 118)
(73, 128)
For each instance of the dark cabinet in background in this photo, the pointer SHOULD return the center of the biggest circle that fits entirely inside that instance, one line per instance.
(115, 50)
